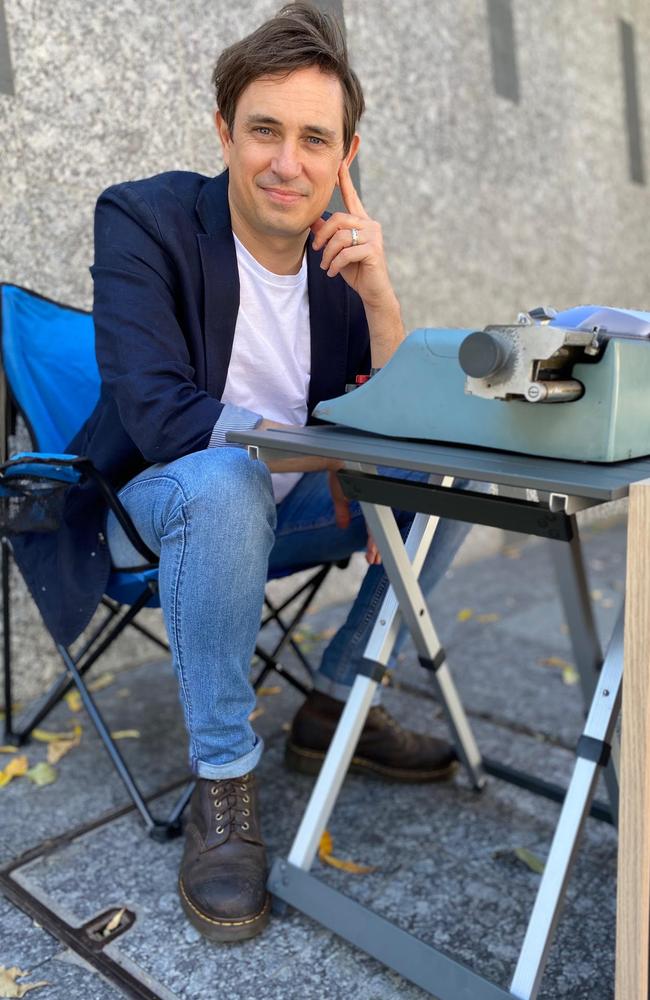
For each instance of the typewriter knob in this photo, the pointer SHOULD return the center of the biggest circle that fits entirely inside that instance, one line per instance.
(481, 354)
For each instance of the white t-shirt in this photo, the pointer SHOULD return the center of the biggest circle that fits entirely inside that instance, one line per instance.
(270, 364)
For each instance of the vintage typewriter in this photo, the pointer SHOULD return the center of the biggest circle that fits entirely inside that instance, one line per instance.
(574, 385)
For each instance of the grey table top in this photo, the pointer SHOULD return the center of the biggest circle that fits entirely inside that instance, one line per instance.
(589, 480)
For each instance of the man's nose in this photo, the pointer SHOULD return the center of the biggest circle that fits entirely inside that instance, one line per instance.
(286, 162)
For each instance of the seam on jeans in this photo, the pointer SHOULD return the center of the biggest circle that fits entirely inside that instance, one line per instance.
(176, 630)
(358, 633)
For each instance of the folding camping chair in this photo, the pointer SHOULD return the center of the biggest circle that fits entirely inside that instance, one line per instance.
(50, 379)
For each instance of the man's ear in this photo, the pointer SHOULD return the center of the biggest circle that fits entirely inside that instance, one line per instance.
(224, 135)
(353, 150)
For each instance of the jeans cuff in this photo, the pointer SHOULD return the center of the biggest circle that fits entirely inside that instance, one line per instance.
(234, 768)
(340, 691)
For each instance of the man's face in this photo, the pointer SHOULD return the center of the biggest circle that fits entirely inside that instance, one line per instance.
(284, 152)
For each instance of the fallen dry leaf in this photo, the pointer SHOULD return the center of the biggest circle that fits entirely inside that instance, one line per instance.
(286, 727)
(486, 619)
(596, 595)
(325, 849)
(114, 922)
(126, 734)
(554, 661)
(59, 748)
(73, 701)
(255, 714)
(45, 736)
(42, 774)
(570, 675)
(104, 681)
(530, 860)
(123, 693)
(16, 768)
(305, 638)
(10, 988)
(522, 854)
(264, 691)
(511, 552)
(464, 614)
(7, 749)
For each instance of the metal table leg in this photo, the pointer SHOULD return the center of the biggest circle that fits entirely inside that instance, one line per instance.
(592, 750)
(378, 650)
(587, 652)
(404, 581)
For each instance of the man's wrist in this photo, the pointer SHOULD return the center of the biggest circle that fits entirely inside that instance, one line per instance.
(385, 304)
(386, 331)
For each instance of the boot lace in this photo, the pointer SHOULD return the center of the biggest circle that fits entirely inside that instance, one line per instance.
(231, 798)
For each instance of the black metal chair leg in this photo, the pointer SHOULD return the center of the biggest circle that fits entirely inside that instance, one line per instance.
(6, 643)
(158, 829)
(114, 608)
(64, 683)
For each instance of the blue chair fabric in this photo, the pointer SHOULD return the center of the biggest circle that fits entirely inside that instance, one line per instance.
(53, 383)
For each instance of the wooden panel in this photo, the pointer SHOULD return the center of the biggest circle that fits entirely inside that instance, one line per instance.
(633, 903)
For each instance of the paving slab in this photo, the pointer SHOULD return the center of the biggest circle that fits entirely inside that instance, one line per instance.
(444, 856)
(445, 870)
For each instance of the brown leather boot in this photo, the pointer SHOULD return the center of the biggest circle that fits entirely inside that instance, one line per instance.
(384, 748)
(222, 881)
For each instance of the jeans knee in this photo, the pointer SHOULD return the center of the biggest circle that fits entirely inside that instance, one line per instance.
(226, 486)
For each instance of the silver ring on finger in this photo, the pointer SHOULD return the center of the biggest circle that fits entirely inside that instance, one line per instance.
(355, 237)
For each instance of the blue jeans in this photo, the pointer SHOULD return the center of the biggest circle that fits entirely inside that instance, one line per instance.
(212, 519)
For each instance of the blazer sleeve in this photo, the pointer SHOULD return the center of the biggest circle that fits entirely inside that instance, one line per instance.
(141, 351)
(358, 359)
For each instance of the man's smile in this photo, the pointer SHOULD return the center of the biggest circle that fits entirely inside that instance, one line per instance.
(283, 196)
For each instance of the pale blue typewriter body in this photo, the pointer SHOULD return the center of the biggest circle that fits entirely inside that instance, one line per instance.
(420, 394)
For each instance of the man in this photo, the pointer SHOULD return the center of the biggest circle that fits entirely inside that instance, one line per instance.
(226, 303)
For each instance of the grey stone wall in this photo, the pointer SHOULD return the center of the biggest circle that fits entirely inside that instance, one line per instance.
(491, 205)
(500, 184)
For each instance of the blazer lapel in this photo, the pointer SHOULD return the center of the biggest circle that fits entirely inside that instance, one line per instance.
(328, 302)
(220, 305)
(329, 322)
(220, 281)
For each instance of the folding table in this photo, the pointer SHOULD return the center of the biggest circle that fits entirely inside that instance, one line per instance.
(535, 496)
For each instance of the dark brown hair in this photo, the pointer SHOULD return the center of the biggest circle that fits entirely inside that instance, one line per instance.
(299, 35)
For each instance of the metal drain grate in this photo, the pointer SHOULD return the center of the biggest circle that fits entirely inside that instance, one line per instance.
(108, 925)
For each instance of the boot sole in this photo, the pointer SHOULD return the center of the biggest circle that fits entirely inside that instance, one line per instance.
(310, 762)
(224, 930)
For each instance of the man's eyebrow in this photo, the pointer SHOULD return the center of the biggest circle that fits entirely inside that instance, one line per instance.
(326, 133)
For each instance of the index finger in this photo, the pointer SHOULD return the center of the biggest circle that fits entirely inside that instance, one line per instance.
(351, 199)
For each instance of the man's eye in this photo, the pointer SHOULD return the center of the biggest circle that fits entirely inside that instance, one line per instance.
(314, 140)
(263, 130)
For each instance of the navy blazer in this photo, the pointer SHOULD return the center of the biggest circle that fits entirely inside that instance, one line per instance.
(166, 298)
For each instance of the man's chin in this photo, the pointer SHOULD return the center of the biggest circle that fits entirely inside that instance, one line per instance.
(285, 227)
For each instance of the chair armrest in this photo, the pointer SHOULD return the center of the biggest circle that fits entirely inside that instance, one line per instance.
(41, 465)
(72, 469)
